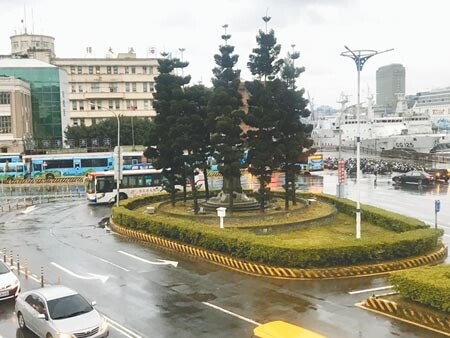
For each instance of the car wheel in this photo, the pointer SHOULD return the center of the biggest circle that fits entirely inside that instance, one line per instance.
(21, 320)
(49, 176)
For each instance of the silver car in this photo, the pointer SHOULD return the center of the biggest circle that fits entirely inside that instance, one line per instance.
(59, 312)
(9, 284)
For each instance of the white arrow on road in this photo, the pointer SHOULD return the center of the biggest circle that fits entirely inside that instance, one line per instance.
(28, 210)
(91, 275)
(160, 261)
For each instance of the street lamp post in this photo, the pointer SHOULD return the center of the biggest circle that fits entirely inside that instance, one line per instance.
(360, 57)
(119, 164)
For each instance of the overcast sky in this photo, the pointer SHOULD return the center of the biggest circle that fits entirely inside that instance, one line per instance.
(417, 30)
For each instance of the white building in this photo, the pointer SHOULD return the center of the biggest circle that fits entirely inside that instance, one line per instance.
(100, 86)
(15, 114)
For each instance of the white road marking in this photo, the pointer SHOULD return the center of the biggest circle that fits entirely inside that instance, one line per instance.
(370, 290)
(231, 313)
(29, 209)
(113, 264)
(92, 275)
(161, 261)
(122, 329)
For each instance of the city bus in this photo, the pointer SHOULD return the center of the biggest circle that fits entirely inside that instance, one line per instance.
(101, 187)
(77, 164)
(12, 170)
(10, 157)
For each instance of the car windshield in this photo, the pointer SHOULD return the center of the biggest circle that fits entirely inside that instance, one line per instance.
(3, 268)
(69, 306)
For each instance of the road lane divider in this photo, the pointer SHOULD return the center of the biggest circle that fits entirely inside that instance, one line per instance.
(260, 269)
(122, 329)
(231, 313)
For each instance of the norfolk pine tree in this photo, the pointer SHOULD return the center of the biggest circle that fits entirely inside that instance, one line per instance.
(225, 117)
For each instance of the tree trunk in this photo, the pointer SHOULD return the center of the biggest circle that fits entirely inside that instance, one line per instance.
(194, 194)
(184, 185)
(205, 175)
(262, 186)
(287, 187)
(172, 188)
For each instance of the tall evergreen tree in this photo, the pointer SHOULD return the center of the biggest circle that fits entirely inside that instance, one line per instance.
(264, 111)
(167, 142)
(293, 134)
(225, 117)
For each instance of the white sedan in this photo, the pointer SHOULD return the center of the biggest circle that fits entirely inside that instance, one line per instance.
(59, 312)
(9, 284)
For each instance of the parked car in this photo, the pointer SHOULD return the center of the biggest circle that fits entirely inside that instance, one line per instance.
(439, 174)
(59, 312)
(9, 283)
(414, 177)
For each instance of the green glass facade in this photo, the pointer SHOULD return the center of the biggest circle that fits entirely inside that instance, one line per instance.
(45, 99)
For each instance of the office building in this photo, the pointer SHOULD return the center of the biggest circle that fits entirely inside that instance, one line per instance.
(49, 98)
(390, 84)
(15, 114)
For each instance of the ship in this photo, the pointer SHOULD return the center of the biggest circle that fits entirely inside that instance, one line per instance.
(412, 129)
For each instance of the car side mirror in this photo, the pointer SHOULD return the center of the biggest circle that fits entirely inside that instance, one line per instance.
(94, 303)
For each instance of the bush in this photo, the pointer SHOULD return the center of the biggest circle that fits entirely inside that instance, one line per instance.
(427, 285)
(413, 239)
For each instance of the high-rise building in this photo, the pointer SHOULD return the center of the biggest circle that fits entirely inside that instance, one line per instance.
(390, 84)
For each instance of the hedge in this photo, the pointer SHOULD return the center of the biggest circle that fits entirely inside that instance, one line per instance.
(427, 285)
(247, 246)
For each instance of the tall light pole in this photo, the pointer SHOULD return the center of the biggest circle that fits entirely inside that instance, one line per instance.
(360, 57)
(119, 169)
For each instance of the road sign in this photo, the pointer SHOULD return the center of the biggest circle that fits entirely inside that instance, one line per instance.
(437, 205)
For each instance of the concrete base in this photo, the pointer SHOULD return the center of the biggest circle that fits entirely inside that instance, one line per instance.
(241, 202)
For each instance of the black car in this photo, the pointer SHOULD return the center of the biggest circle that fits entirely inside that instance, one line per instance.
(414, 177)
(439, 174)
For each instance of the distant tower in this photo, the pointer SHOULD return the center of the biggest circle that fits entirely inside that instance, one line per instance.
(390, 83)
(33, 46)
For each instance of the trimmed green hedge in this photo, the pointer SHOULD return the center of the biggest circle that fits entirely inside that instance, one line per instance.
(247, 246)
(380, 217)
(427, 285)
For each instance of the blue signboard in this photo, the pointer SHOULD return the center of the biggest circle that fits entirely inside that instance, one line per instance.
(437, 205)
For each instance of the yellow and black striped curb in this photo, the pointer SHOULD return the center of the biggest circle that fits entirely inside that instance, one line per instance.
(259, 269)
(431, 320)
(71, 179)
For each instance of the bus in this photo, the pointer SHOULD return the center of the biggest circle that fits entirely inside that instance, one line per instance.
(10, 157)
(101, 187)
(12, 170)
(77, 164)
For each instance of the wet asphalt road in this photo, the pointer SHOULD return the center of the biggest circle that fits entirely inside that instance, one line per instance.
(143, 296)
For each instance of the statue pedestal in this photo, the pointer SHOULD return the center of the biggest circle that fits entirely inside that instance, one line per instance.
(241, 202)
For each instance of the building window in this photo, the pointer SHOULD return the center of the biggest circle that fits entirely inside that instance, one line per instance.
(110, 104)
(95, 87)
(128, 105)
(133, 70)
(74, 105)
(82, 122)
(5, 124)
(79, 70)
(97, 69)
(133, 87)
(127, 87)
(127, 70)
(113, 88)
(145, 104)
(74, 89)
(145, 87)
(16, 44)
(5, 98)
(91, 70)
(144, 69)
(108, 70)
(72, 69)
(80, 88)
(116, 70)
(81, 105)
(151, 86)
(116, 104)
(75, 122)
(92, 105)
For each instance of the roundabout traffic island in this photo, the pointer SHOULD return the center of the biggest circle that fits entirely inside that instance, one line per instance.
(310, 241)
